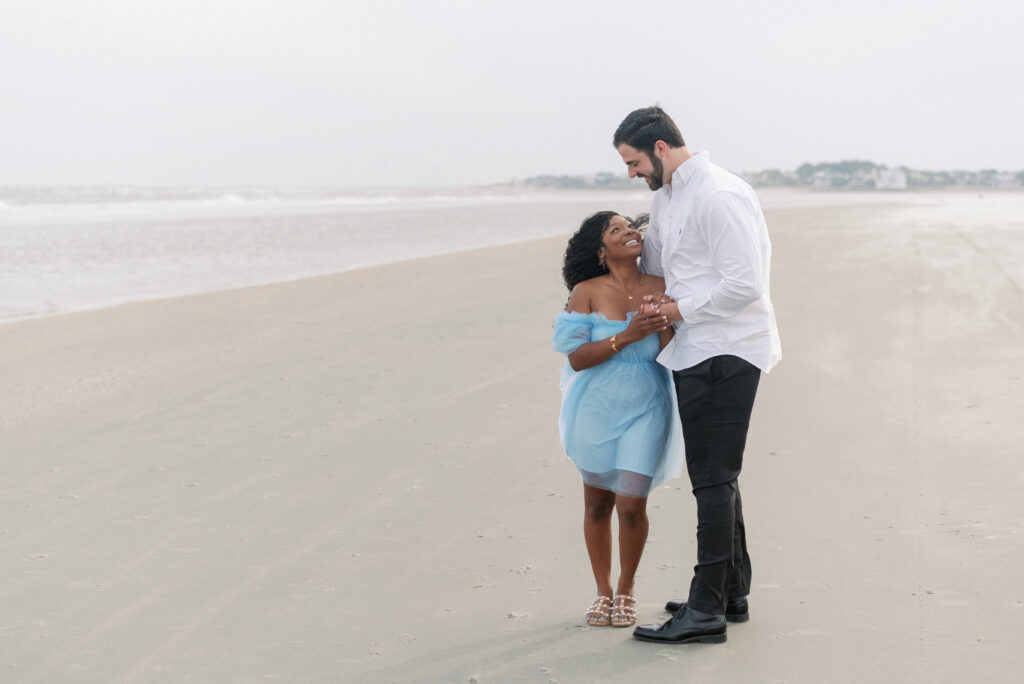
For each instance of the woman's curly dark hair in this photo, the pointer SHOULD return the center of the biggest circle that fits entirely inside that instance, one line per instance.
(581, 262)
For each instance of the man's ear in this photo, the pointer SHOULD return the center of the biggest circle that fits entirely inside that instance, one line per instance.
(659, 148)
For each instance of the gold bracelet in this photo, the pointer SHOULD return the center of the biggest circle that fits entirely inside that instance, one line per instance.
(614, 348)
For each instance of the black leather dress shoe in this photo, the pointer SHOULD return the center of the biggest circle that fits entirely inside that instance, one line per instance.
(686, 626)
(736, 610)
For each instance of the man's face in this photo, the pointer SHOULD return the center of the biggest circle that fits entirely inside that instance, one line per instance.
(642, 165)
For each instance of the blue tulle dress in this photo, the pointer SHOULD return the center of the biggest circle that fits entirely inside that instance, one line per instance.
(619, 423)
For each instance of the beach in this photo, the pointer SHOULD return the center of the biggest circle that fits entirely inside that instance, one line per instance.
(357, 477)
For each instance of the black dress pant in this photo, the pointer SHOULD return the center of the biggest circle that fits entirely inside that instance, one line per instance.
(715, 400)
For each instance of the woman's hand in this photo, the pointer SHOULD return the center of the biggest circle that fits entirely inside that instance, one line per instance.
(646, 322)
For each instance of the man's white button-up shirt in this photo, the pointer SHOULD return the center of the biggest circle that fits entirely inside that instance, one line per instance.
(708, 239)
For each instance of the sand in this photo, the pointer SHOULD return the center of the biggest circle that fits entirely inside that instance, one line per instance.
(357, 478)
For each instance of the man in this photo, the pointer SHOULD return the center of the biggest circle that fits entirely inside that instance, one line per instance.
(708, 239)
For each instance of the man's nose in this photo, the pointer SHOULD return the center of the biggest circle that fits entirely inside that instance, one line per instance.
(632, 172)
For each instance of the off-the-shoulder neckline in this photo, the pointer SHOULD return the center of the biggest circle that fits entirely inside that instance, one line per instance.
(599, 315)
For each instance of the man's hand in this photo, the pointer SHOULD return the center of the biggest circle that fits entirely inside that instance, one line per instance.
(665, 305)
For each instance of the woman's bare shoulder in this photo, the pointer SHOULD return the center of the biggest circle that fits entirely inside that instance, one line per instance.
(581, 297)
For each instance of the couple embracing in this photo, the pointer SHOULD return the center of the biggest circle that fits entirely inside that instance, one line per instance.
(664, 357)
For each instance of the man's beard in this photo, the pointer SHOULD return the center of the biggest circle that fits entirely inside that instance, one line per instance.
(658, 175)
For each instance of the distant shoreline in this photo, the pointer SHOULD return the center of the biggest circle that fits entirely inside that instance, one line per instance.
(844, 175)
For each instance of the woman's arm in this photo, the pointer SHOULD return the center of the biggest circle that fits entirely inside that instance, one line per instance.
(590, 354)
(656, 303)
(666, 336)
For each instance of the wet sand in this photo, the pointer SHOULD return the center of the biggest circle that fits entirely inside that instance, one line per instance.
(357, 478)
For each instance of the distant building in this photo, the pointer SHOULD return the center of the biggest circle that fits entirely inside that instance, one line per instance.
(1006, 179)
(891, 179)
(850, 174)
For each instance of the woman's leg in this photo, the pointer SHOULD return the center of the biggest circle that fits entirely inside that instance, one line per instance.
(633, 526)
(597, 532)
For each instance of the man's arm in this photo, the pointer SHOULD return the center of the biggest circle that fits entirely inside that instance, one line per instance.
(650, 256)
(728, 221)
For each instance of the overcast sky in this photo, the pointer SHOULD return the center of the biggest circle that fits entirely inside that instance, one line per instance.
(439, 92)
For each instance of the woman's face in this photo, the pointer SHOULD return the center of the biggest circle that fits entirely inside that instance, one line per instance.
(621, 239)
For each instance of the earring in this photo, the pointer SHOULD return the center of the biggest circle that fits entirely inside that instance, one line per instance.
(600, 260)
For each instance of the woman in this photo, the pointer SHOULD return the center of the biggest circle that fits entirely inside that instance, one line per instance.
(618, 421)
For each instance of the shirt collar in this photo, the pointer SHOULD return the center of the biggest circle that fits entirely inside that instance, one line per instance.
(690, 167)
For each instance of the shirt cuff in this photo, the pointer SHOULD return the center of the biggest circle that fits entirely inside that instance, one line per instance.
(687, 309)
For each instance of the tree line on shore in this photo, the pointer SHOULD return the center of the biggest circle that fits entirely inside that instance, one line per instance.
(843, 175)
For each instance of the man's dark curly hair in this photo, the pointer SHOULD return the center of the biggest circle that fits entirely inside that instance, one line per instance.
(581, 261)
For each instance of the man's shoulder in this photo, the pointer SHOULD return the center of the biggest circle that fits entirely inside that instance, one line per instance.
(719, 179)
(723, 186)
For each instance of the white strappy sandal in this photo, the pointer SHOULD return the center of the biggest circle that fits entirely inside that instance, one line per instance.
(600, 612)
(623, 610)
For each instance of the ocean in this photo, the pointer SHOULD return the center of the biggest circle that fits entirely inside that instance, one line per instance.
(75, 249)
